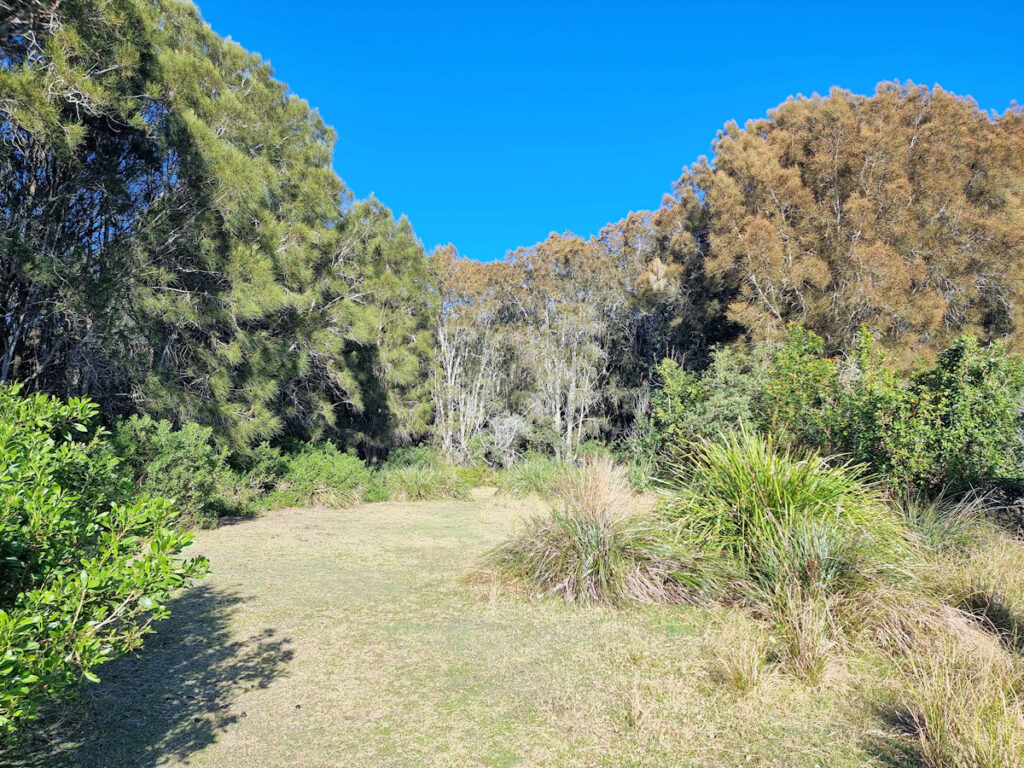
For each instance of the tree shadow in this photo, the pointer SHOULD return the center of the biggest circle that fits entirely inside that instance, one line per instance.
(168, 701)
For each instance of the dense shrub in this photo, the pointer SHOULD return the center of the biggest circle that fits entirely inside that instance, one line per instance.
(321, 474)
(687, 407)
(179, 464)
(85, 567)
(263, 467)
(952, 425)
(955, 424)
(411, 456)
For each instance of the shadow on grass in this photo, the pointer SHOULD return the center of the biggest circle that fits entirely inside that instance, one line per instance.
(896, 745)
(166, 702)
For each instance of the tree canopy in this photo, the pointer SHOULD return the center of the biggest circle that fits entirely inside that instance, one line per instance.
(176, 241)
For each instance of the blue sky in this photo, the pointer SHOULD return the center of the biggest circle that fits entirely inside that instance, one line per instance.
(492, 124)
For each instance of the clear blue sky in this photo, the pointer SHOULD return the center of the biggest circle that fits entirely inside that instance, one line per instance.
(491, 124)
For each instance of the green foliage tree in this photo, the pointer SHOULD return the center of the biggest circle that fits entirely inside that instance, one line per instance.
(174, 237)
(395, 328)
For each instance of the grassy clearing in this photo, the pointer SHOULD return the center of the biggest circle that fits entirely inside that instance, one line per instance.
(347, 638)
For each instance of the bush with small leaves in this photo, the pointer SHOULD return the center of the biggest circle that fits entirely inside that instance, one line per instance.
(321, 474)
(178, 464)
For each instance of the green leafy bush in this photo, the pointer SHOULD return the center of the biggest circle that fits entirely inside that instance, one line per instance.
(85, 567)
(954, 425)
(321, 474)
(179, 464)
(411, 456)
(687, 407)
(264, 467)
(796, 390)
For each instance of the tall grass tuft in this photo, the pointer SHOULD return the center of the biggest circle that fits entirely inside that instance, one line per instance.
(534, 474)
(740, 653)
(988, 583)
(966, 701)
(592, 549)
(740, 491)
(943, 522)
(436, 481)
(807, 538)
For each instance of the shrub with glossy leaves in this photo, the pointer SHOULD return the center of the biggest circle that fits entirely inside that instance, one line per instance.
(85, 566)
(954, 425)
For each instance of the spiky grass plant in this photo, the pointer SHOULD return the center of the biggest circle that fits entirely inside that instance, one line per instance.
(943, 521)
(808, 538)
(789, 521)
(592, 549)
(740, 491)
(534, 474)
(436, 481)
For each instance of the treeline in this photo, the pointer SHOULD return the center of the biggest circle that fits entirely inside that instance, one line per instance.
(173, 239)
(176, 243)
(900, 212)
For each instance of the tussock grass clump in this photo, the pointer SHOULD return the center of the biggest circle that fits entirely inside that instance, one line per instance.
(795, 526)
(741, 491)
(807, 539)
(944, 522)
(988, 583)
(436, 481)
(534, 474)
(965, 698)
(741, 653)
(592, 549)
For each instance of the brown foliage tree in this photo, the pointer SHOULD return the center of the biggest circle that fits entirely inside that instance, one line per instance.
(902, 210)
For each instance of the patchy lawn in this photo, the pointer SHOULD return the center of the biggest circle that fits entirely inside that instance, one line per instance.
(346, 638)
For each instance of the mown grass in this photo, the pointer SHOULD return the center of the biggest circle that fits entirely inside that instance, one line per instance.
(346, 638)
